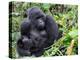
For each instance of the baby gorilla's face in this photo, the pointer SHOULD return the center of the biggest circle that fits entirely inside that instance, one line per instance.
(27, 43)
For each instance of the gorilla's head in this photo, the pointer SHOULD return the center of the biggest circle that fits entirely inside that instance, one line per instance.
(37, 17)
(34, 13)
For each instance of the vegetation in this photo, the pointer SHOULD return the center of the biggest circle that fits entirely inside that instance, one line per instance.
(64, 15)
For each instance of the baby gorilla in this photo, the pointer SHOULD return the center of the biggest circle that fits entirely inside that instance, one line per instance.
(38, 31)
(32, 46)
(23, 46)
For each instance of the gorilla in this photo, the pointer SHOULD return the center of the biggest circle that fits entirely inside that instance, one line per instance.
(38, 31)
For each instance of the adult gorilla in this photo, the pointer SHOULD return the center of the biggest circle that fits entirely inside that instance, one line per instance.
(40, 31)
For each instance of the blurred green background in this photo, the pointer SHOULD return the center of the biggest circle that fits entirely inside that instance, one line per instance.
(64, 15)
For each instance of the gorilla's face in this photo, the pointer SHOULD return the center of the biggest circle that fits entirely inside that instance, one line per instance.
(39, 24)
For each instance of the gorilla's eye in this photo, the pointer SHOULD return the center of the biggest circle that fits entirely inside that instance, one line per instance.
(40, 16)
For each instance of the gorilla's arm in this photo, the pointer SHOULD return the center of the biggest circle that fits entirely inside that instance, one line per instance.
(51, 29)
(25, 27)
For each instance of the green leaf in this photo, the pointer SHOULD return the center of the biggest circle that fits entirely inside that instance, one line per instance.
(73, 33)
(46, 6)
